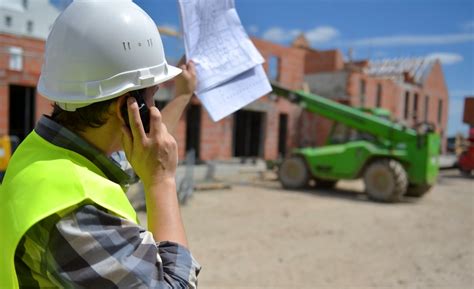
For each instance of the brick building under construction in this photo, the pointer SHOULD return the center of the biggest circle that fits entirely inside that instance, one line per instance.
(413, 90)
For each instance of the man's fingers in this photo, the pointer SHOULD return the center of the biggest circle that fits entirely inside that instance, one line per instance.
(155, 121)
(191, 67)
(136, 126)
(185, 72)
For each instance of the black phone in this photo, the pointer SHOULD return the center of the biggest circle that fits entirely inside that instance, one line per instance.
(139, 95)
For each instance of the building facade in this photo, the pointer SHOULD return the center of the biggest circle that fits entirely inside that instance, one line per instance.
(412, 89)
(24, 26)
(267, 128)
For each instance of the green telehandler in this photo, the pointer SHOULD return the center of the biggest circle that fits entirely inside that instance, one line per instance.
(393, 160)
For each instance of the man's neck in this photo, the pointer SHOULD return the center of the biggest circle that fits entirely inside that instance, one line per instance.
(105, 138)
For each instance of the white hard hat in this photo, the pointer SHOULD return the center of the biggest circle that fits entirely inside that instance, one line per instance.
(100, 49)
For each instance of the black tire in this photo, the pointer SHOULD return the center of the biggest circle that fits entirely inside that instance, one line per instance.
(293, 173)
(385, 180)
(417, 191)
(325, 184)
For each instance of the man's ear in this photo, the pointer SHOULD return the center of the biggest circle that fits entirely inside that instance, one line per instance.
(119, 104)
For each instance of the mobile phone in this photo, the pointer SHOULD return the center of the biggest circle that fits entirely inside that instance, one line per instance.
(139, 95)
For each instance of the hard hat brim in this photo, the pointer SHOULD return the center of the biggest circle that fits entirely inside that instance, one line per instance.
(141, 82)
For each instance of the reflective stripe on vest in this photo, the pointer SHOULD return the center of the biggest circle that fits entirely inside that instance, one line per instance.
(43, 179)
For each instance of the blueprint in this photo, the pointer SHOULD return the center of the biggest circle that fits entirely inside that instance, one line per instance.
(215, 40)
(228, 65)
(236, 93)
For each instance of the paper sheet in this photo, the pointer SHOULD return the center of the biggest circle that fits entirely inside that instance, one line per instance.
(217, 43)
(235, 94)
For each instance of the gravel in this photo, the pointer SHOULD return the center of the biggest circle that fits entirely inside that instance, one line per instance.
(260, 236)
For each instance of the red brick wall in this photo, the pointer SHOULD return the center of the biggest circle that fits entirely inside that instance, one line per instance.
(353, 89)
(216, 138)
(315, 129)
(292, 62)
(291, 75)
(32, 60)
(271, 132)
(294, 132)
(393, 97)
(468, 114)
(323, 61)
(435, 87)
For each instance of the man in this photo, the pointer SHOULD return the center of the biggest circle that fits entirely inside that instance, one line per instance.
(65, 221)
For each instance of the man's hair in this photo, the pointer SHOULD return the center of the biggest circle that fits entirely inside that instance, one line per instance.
(94, 115)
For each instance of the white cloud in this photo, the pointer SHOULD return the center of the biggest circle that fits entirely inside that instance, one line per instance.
(321, 34)
(446, 58)
(278, 34)
(468, 26)
(317, 35)
(404, 40)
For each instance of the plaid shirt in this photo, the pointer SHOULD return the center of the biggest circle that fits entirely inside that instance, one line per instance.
(88, 247)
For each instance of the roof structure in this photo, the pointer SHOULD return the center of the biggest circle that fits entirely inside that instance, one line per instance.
(416, 68)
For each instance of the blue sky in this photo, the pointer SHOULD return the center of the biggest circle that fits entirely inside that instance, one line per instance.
(374, 29)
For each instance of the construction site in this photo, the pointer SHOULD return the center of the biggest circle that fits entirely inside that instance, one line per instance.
(345, 175)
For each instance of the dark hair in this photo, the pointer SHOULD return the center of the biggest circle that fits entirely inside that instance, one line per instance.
(94, 115)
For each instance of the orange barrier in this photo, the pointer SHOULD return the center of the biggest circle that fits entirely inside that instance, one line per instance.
(5, 152)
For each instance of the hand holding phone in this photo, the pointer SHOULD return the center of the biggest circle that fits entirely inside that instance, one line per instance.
(139, 95)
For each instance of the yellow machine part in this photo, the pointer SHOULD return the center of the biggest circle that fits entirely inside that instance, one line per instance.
(5, 152)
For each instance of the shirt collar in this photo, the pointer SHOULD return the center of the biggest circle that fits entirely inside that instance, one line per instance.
(60, 136)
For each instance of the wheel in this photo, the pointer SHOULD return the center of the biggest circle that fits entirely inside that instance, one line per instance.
(293, 173)
(385, 180)
(325, 184)
(417, 190)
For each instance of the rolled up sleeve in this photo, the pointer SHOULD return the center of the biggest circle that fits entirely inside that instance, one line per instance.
(179, 265)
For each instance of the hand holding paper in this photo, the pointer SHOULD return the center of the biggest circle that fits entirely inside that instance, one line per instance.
(228, 65)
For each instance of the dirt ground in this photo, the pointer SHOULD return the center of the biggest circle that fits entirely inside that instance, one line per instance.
(260, 236)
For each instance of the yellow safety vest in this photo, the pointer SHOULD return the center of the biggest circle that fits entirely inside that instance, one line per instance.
(43, 179)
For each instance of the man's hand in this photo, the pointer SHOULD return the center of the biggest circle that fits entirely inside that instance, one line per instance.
(185, 85)
(186, 82)
(154, 156)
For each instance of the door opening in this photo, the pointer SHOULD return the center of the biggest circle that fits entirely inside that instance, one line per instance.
(282, 134)
(248, 134)
(22, 110)
(193, 129)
